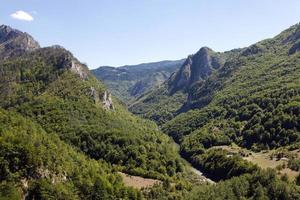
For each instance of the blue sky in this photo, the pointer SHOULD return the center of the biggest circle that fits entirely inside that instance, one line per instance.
(119, 32)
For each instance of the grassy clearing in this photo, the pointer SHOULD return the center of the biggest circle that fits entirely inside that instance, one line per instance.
(138, 182)
(263, 159)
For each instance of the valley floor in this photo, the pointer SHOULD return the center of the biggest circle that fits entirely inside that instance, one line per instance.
(140, 182)
(264, 159)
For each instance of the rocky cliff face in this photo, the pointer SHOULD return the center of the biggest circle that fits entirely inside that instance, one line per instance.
(197, 67)
(14, 42)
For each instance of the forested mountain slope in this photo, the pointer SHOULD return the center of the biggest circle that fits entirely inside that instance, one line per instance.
(38, 165)
(249, 96)
(130, 81)
(253, 101)
(244, 86)
(69, 106)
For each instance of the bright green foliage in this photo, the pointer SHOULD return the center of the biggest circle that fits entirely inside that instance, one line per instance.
(49, 168)
(56, 135)
(9, 192)
(253, 100)
(218, 165)
(263, 185)
(44, 89)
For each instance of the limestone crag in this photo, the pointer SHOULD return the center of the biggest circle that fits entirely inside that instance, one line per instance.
(197, 67)
(77, 69)
(107, 101)
(94, 94)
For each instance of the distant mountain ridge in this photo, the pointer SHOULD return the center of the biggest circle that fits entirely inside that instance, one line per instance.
(205, 73)
(130, 81)
(250, 96)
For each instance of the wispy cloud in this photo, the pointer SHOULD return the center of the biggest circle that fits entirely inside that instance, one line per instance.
(22, 15)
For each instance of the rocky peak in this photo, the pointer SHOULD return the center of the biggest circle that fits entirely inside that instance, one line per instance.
(5, 29)
(296, 35)
(294, 39)
(197, 67)
(14, 42)
(204, 61)
(181, 78)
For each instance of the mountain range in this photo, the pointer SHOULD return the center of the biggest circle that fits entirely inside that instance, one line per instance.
(130, 81)
(64, 134)
(247, 96)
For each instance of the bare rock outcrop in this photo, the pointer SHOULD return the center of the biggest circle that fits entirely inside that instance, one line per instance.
(94, 94)
(197, 67)
(77, 68)
(107, 101)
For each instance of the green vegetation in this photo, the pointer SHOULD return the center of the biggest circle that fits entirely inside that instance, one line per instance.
(157, 105)
(59, 140)
(219, 165)
(44, 167)
(260, 185)
(254, 101)
(46, 91)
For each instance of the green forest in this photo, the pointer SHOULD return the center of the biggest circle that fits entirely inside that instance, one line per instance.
(64, 136)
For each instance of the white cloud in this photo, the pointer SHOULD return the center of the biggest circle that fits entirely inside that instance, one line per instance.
(22, 15)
